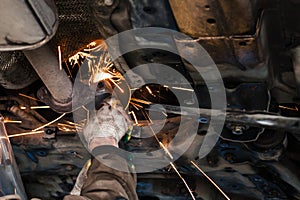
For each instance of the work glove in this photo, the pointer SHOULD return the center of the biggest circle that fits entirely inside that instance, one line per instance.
(110, 121)
(81, 178)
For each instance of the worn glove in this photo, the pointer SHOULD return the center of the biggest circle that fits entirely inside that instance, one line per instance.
(111, 121)
(81, 178)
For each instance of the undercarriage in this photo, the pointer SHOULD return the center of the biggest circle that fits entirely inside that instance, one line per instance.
(236, 112)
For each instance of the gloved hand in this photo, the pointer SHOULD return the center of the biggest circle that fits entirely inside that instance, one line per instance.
(108, 126)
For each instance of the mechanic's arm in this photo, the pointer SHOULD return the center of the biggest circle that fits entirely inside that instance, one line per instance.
(103, 135)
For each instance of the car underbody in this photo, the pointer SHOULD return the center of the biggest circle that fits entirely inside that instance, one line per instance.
(255, 45)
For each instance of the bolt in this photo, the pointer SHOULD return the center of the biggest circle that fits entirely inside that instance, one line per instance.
(238, 130)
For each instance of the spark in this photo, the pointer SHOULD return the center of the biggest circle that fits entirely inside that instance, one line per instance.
(101, 76)
(69, 122)
(141, 101)
(99, 68)
(97, 48)
(69, 70)
(149, 90)
(39, 107)
(166, 150)
(150, 120)
(81, 124)
(154, 134)
(34, 107)
(294, 109)
(79, 55)
(59, 58)
(12, 121)
(92, 44)
(186, 89)
(28, 97)
(25, 133)
(110, 66)
(136, 106)
(67, 127)
(210, 180)
(165, 114)
(116, 85)
(102, 70)
(71, 126)
(97, 44)
(183, 180)
(171, 164)
(43, 126)
(161, 144)
(134, 116)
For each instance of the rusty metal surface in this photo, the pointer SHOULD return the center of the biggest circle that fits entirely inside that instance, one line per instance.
(229, 32)
(215, 18)
(234, 63)
(46, 65)
(244, 43)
